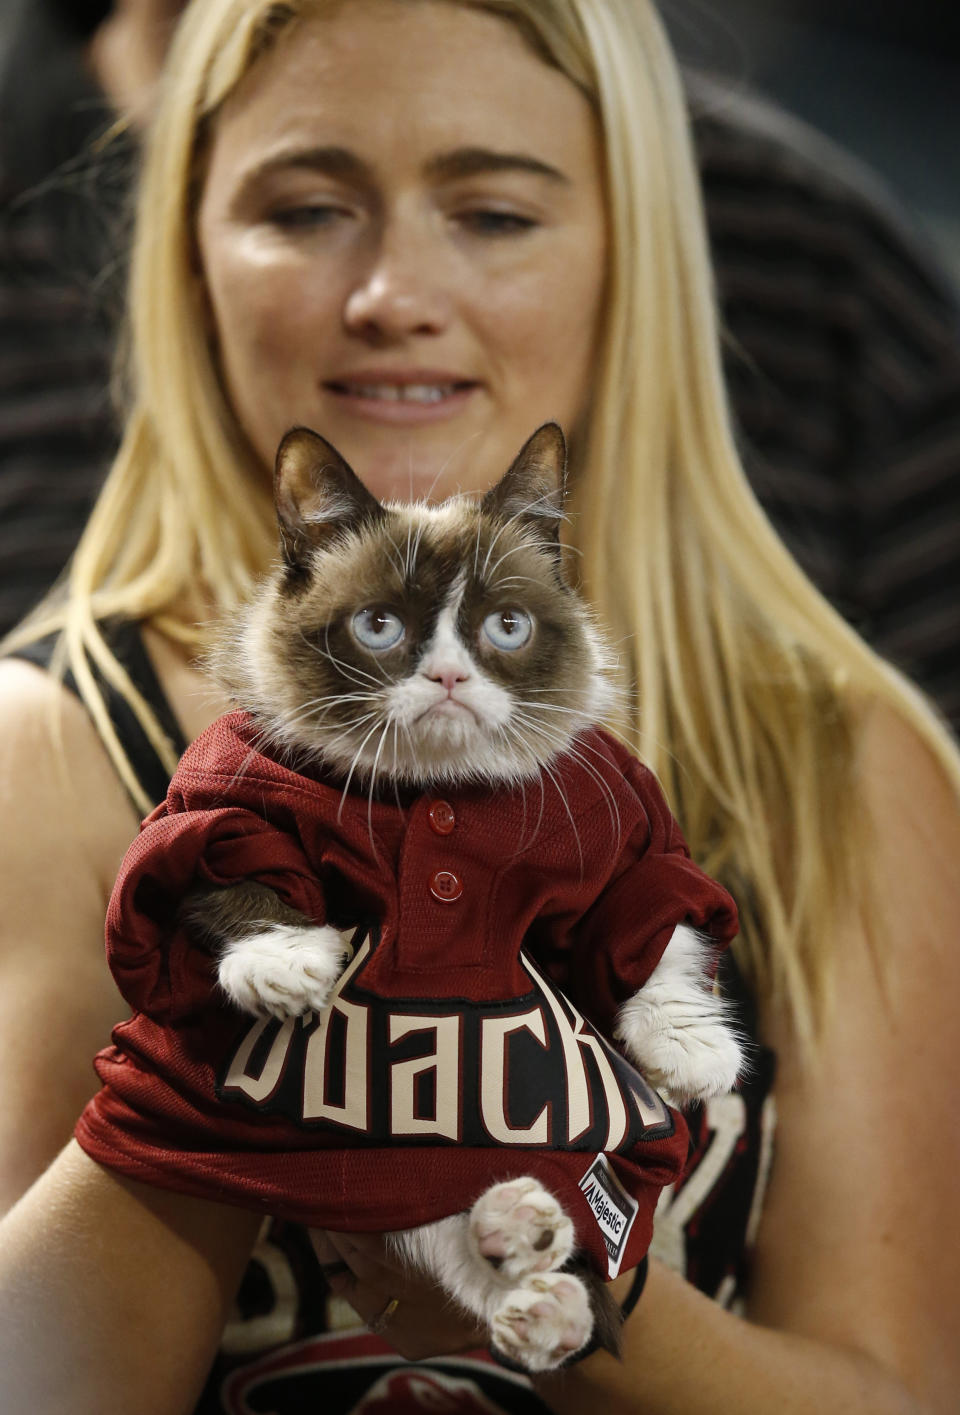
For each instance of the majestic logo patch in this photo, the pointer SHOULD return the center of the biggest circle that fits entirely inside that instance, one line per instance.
(612, 1207)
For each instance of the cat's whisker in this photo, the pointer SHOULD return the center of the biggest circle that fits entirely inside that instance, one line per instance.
(331, 700)
(516, 580)
(555, 690)
(500, 531)
(444, 465)
(373, 783)
(606, 790)
(523, 842)
(315, 712)
(319, 713)
(250, 757)
(526, 755)
(353, 723)
(331, 743)
(489, 571)
(416, 546)
(476, 548)
(411, 744)
(553, 513)
(566, 806)
(400, 563)
(575, 748)
(396, 767)
(349, 670)
(353, 767)
(550, 707)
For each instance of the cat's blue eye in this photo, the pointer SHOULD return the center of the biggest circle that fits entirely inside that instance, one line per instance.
(508, 628)
(377, 629)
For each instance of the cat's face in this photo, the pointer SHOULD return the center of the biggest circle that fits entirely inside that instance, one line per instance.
(420, 643)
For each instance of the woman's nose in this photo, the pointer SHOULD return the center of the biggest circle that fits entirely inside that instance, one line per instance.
(400, 292)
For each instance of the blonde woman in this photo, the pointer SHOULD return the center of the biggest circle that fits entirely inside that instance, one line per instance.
(424, 227)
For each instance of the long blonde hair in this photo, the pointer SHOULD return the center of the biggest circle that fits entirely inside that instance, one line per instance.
(746, 684)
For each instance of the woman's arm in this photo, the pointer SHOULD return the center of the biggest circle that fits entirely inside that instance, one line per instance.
(855, 1304)
(66, 825)
(684, 1355)
(112, 1295)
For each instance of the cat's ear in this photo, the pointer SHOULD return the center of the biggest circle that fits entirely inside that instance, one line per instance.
(533, 490)
(318, 495)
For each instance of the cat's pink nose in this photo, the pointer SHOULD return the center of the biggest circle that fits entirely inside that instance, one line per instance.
(448, 677)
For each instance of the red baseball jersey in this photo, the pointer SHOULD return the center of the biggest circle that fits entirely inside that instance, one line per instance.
(496, 933)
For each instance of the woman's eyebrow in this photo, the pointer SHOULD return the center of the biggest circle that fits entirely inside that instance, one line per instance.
(340, 162)
(331, 161)
(474, 161)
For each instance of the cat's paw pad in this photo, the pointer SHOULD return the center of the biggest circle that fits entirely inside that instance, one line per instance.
(543, 1321)
(692, 1063)
(518, 1228)
(283, 971)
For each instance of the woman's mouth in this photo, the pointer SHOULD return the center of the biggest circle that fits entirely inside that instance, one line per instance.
(403, 398)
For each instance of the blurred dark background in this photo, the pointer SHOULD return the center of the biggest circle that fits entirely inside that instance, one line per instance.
(881, 77)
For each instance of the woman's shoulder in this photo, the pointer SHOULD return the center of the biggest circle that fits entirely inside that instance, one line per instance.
(56, 780)
(906, 773)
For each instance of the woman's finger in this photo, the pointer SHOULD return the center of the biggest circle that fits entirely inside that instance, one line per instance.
(327, 1254)
(407, 1308)
(369, 1259)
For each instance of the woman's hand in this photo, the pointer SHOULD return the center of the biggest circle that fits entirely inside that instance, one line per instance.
(425, 1322)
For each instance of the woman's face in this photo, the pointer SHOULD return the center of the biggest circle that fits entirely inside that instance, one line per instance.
(402, 235)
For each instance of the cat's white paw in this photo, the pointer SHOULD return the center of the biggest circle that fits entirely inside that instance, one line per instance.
(518, 1228)
(543, 1320)
(675, 1029)
(691, 1061)
(284, 971)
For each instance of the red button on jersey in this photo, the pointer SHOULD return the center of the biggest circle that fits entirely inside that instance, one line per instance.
(441, 817)
(445, 886)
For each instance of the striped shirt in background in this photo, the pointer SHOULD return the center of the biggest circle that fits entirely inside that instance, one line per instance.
(842, 354)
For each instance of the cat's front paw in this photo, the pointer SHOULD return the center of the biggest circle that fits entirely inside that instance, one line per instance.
(543, 1321)
(283, 971)
(518, 1227)
(688, 1061)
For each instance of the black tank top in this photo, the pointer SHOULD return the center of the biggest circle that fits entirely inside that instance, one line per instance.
(290, 1348)
(126, 643)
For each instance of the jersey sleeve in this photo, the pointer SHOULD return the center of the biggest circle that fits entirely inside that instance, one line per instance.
(655, 886)
(159, 969)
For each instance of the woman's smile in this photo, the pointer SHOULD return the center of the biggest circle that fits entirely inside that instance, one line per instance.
(402, 396)
(407, 256)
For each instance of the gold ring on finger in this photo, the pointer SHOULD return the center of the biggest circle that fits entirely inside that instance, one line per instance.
(381, 1321)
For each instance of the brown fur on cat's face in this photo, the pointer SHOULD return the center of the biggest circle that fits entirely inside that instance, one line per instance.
(418, 643)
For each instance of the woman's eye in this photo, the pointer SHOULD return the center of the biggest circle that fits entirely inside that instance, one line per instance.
(508, 629)
(491, 222)
(377, 629)
(307, 216)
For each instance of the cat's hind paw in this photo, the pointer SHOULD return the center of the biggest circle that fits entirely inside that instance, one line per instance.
(283, 971)
(543, 1321)
(518, 1228)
